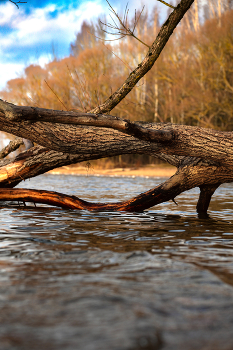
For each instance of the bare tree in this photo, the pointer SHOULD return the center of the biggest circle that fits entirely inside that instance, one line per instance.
(203, 157)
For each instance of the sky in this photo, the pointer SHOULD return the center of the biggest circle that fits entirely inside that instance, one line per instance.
(31, 33)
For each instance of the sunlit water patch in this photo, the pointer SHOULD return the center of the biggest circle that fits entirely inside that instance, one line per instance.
(161, 279)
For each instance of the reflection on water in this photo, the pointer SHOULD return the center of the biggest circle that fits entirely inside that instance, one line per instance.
(161, 279)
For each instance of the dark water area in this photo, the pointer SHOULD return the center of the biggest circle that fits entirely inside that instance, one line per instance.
(162, 279)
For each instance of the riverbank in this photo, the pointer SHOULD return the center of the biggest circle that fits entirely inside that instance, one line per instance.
(157, 170)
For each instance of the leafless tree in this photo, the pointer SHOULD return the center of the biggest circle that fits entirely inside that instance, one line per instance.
(203, 157)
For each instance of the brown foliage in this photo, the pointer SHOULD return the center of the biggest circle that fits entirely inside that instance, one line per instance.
(192, 82)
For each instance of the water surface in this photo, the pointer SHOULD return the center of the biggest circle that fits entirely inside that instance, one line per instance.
(161, 279)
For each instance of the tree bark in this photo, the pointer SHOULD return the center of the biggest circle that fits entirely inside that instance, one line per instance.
(11, 147)
(62, 131)
(203, 157)
(206, 192)
(193, 174)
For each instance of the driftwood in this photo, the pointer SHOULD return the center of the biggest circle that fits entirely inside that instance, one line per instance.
(211, 166)
(203, 157)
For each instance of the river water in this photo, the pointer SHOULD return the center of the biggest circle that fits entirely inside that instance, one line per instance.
(71, 280)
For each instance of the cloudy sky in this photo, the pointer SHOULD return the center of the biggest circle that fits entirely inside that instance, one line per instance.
(30, 33)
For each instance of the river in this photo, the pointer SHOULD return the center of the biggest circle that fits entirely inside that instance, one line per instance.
(71, 280)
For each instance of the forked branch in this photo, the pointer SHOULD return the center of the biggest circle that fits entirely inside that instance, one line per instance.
(184, 179)
(152, 55)
(17, 2)
(162, 193)
(123, 29)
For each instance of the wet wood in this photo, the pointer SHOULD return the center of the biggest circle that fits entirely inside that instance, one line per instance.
(159, 194)
(192, 172)
(203, 157)
(184, 179)
(206, 193)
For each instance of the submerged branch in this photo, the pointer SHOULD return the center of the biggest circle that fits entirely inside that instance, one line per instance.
(206, 193)
(185, 178)
(162, 193)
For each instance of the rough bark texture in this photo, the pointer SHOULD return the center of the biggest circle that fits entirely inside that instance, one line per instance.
(70, 138)
(206, 192)
(203, 157)
(192, 172)
(11, 147)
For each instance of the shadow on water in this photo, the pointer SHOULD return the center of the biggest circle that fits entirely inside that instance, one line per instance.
(161, 279)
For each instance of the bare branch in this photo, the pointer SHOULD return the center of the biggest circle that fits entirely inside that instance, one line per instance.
(148, 62)
(55, 94)
(165, 3)
(162, 193)
(11, 147)
(137, 20)
(17, 2)
(126, 64)
(123, 29)
(183, 180)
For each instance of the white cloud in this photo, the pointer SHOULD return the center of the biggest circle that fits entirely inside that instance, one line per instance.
(14, 70)
(9, 71)
(8, 13)
(27, 39)
(43, 60)
(39, 27)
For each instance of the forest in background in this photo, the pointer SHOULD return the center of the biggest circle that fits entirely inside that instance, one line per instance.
(191, 83)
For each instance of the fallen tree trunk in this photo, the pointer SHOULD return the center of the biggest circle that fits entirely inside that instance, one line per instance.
(203, 157)
(191, 172)
(183, 180)
(63, 131)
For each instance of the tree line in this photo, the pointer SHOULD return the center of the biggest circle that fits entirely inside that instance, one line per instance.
(203, 157)
(191, 83)
(196, 65)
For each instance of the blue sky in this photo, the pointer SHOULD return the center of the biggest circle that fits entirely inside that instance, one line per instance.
(28, 34)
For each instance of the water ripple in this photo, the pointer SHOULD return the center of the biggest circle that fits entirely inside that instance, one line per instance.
(115, 280)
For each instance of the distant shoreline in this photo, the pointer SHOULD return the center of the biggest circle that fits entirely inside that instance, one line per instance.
(159, 170)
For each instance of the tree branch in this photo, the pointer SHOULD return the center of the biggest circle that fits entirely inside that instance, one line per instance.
(186, 177)
(206, 192)
(60, 130)
(148, 62)
(33, 114)
(11, 147)
(17, 2)
(80, 136)
(162, 193)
